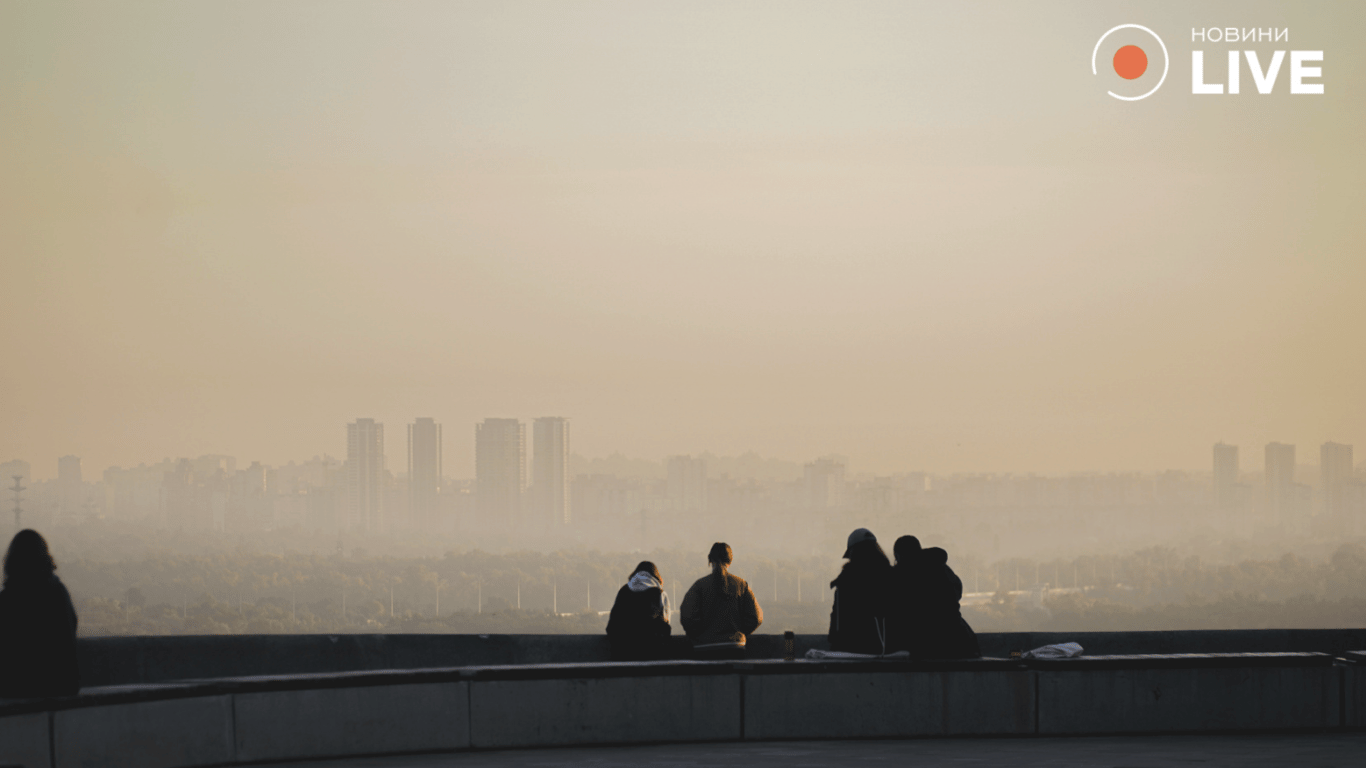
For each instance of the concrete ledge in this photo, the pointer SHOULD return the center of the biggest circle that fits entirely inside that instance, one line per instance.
(382, 719)
(604, 711)
(24, 740)
(106, 661)
(150, 734)
(830, 706)
(1171, 700)
(993, 703)
(285, 717)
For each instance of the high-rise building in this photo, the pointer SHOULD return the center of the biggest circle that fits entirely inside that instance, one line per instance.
(825, 484)
(1281, 493)
(1225, 475)
(69, 470)
(70, 494)
(365, 475)
(499, 470)
(1335, 465)
(424, 472)
(687, 486)
(550, 499)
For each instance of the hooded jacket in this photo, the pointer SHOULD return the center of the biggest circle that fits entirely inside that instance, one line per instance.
(639, 621)
(926, 619)
(720, 608)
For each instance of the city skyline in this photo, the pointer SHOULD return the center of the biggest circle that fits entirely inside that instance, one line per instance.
(509, 436)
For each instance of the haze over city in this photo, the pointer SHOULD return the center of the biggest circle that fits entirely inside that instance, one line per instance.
(231, 228)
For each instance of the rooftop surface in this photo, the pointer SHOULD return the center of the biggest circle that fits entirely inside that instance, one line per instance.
(1336, 750)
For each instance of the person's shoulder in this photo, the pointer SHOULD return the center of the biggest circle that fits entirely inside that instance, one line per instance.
(740, 584)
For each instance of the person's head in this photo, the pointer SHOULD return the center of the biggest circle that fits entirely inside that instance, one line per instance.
(720, 555)
(645, 566)
(906, 549)
(28, 557)
(862, 546)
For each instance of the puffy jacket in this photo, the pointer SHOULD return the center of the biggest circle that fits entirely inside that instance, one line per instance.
(720, 608)
(926, 619)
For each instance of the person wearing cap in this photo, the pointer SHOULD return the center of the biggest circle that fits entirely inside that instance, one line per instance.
(720, 610)
(858, 617)
(638, 627)
(925, 618)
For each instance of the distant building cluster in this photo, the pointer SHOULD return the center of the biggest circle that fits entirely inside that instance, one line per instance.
(525, 491)
(1335, 504)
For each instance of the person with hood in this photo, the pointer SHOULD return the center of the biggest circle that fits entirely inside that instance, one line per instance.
(720, 610)
(37, 624)
(927, 620)
(858, 617)
(638, 627)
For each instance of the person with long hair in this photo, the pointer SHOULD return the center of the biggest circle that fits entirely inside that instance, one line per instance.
(858, 615)
(37, 624)
(638, 627)
(720, 611)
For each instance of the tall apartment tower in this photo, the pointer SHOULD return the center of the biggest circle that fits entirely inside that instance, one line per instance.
(687, 485)
(499, 470)
(1335, 464)
(1225, 475)
(69, 470)
(550, 471)
(824, 483)
(70, 495)
(424, 472)
(1280, 480)
(365, 475)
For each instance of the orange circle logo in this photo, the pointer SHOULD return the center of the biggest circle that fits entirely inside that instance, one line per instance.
(1130, 62)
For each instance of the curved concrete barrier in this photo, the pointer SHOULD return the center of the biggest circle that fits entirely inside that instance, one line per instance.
(151, 659)
(266, 718)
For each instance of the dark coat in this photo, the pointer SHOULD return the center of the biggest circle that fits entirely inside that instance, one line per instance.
(37, 639)
(927, 620)
(637, 628)
(720, 609)
(858, 617)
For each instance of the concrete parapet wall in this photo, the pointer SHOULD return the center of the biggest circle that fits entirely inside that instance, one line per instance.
(153, 659)
(422, 717)
(267, 718)
(621, 710)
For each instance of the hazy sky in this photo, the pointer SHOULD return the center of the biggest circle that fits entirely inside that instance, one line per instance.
(919, 235)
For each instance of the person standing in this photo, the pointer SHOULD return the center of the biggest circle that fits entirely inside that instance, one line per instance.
(37, 624)
(638, 627)
(720, 610)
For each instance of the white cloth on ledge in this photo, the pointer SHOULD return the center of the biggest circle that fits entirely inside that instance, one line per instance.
(817, 654)
(1055, 651)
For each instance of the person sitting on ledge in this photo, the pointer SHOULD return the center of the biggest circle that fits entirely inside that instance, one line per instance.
(926, 618)
(720, 610)
(639, 625)
(858, 616)
(37, 624)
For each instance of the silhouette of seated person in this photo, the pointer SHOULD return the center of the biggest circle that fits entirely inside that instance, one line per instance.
(720, 611)
(863, 593)
(37, 624)
(926, 618)
(638, 628)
